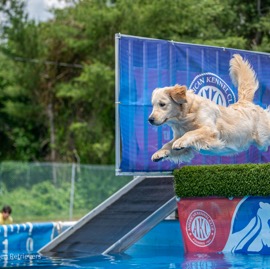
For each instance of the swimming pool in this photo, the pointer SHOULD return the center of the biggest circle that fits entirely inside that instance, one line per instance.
(162, 247)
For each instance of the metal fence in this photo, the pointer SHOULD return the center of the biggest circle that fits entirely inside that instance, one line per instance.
(55, 191)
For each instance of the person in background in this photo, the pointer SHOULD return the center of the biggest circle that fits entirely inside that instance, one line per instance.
(5, 215)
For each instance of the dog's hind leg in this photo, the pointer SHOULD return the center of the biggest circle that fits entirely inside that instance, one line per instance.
(262, 135)
(262, 141)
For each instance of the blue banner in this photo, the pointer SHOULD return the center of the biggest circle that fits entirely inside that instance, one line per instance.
(145, 64)
(25, 238)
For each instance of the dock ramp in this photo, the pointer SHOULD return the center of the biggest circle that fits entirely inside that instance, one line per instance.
(119, 221)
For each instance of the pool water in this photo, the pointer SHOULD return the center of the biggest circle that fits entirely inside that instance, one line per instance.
(162, 247)
(150, 259)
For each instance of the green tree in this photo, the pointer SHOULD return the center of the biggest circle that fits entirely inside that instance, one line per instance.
(21, 115)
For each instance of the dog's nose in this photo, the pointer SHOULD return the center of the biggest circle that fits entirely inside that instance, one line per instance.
(151, 120)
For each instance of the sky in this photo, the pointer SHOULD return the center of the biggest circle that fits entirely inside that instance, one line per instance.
(39, 9)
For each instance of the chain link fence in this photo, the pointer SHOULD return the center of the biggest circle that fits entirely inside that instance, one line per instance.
(55, 191)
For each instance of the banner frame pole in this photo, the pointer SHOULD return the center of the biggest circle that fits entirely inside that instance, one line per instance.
(117, 103)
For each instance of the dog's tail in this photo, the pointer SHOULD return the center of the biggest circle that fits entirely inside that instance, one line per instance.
(243, 77)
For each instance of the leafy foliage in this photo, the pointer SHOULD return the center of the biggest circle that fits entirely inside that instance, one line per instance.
(223, 180)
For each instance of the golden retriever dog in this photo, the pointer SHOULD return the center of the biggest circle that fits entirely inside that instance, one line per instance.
(201, 125)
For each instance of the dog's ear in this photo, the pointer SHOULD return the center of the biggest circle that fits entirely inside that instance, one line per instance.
(178, 94)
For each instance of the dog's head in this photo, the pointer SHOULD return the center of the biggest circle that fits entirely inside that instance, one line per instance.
(167, 104)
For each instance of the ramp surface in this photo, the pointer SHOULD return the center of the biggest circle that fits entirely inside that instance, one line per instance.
(118, 222)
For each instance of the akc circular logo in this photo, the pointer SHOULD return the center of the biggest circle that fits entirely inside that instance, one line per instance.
(200, 228)
(212, 87)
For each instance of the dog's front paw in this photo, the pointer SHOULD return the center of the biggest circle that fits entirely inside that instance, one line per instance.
(160, 155)
(179, 145)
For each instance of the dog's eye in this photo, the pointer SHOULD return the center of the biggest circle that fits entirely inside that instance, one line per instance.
(161, 104)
